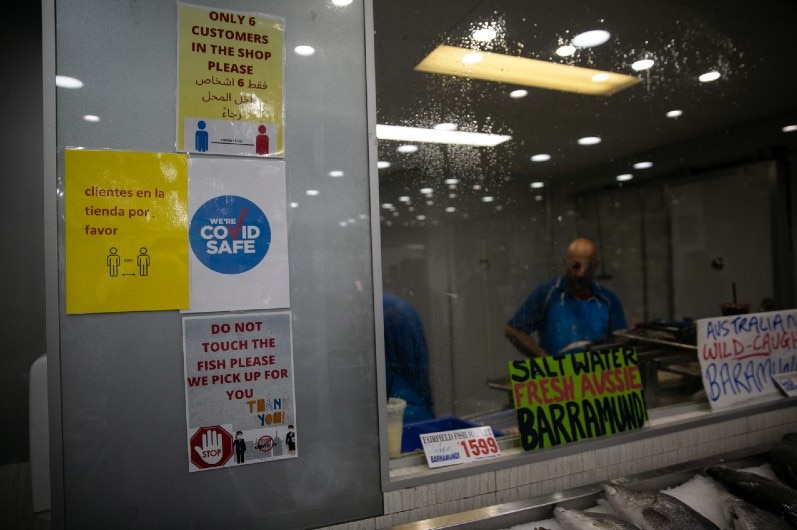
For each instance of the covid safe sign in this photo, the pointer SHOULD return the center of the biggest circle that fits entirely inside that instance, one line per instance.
(238, 234)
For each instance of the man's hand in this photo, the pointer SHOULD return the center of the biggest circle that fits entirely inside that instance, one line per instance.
(524, 342)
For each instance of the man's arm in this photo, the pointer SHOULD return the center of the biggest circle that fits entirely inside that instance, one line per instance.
(523, 342)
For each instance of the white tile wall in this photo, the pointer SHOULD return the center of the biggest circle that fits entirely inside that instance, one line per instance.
(590, 467)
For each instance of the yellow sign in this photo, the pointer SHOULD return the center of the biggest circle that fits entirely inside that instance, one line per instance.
(229, 83)
(126, 231)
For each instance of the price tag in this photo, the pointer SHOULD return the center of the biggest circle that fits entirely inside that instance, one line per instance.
(787, 383)
(458, 447)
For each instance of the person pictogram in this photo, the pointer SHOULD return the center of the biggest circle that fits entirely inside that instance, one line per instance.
(112, 261)
(261, 142)
(143, 262)
(201, 137)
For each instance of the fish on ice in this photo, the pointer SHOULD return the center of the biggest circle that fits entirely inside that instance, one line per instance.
(783, 457)
(573, 519)
(653, 510)
(763, 492)
(742, 515)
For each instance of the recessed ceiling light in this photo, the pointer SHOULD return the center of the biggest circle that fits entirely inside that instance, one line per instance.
(387, 206)
(541, 157)
(565, 51)
(642, 64)
(64, 81)
(304, 51)
(294, 205)
(537, 185)
(643, 165)
(592, 38)
(589, 140)
(789, 128)
(336, 173)
(383, 164)
(312, 193)
(407, 148)
(451, 181)
(477, 187)
(488, 198)
(404, 198)
(624, 177)
(674, 113)
(484, 34)
(421, 217)
(450, 209)
(538, 198)
(92, 118)
(472, 58)
(426, 191)
(709, 76)
(446, 126)
(517, 94)
(415, 134)
(448, 60)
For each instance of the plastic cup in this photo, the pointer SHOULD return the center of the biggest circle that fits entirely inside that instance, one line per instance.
(395, 425)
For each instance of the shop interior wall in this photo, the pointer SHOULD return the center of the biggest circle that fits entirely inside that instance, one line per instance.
(125, 461)
(468, 277)
(22, 333)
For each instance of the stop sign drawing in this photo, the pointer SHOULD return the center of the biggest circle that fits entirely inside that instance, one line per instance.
(210, 447)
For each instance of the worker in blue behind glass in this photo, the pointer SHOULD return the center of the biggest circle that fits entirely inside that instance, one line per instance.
(568, 312)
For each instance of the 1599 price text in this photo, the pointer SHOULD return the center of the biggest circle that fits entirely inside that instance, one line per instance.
(479, 446)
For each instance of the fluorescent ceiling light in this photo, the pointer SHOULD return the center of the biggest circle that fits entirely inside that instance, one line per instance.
(537, 185)
(91, 118)
(517, 94)
(383, 164)
(643, 165)
(451, 182)
(342, 3)
(565, 51)
(404, 198)
(589, 140)
(304, 51)
(484, 34)
(542, 157)
(450, 60)
(450, 209)
(64, 81)
(709, 77)
(624, 177)
(488, 198)
(406, 148)
(446, 127)
(674, 113)
(336, 173)
(590, 39)
(642, 64)
(789, 128)
(414, 134)
(312, 193)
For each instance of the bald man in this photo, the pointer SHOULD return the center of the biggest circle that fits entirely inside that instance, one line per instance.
(567, 312)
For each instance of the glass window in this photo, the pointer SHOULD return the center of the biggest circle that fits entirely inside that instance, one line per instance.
(661, 131)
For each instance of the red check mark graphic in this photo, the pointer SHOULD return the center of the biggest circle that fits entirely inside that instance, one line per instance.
(237, 230)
